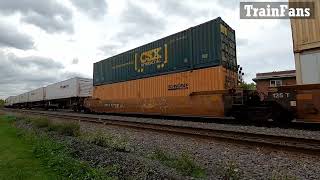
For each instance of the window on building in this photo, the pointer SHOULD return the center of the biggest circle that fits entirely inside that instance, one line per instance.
(275, 83)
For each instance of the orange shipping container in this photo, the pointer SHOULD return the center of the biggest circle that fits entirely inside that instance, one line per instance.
(197, 92)
(306, 32)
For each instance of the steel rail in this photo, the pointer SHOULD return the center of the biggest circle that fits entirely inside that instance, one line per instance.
(304, 145)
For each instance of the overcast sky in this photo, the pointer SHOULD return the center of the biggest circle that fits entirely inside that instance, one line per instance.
(45, 41)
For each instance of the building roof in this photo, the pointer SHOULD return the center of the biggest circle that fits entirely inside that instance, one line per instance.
(275, 75)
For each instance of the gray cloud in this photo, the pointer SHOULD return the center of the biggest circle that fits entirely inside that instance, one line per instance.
(22, 74)
(11, 37)
(230, 4)
(53, 24)
(242, 42)
(265, 54)
(94, 8)
(48, 15)
(181, 9)
(139, 22)
(75, 61)
(110, 49)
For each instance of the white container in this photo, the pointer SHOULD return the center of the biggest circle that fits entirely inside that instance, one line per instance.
(23, 98)
(9, 101)
(308, 67)
(15, 100)
(75, 87)
(37, 95)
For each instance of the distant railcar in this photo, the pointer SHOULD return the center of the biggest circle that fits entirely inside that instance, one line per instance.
(68, 94)
(9, 102)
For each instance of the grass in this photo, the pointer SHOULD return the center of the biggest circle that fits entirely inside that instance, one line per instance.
(107, 140)
(66, 128)
(39, 122)
(17, 160)
(24, 155)
(182, 163)
(57, 158)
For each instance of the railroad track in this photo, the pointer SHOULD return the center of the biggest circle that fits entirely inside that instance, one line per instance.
(256, 139)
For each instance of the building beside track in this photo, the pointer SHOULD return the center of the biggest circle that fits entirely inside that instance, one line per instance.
(268, 80)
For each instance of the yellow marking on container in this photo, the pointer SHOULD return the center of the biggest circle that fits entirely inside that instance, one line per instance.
(151, 56)
(223, 29)
(165, 53)
(158, 66)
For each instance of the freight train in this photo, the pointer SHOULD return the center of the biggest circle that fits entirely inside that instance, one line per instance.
(68, 94)
(190, 73)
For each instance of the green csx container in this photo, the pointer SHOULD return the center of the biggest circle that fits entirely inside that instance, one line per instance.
(209, 44)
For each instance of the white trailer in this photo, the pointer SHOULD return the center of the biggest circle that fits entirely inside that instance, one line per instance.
(68, 94)
(23, 98)
(37, 95)
(9, 101)
(75, 87)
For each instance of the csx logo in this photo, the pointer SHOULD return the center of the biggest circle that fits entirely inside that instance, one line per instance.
(151, 57)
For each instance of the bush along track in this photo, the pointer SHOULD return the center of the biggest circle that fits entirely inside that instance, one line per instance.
(62, 148)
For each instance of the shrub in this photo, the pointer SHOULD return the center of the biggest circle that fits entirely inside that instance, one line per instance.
(107, 140)
(40, 122)
(231, 171)
(68, 129)
(182, 163)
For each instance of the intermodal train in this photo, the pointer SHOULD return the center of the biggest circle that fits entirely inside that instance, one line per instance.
(191, 73)
(68, 94)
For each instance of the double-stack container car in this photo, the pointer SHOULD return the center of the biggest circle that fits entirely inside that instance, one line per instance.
(186, 73)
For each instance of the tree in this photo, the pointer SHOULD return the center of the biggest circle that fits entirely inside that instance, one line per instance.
(248, 86)
(1, 102)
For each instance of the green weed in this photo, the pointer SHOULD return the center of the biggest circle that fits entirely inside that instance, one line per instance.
(182, 163)
(231, 171)
(106, 140)
(40, 122)
(68, 129)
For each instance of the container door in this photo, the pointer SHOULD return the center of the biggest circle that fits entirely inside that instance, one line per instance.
(228, 47)
(310, 68)
(205, 44)
(97, 73)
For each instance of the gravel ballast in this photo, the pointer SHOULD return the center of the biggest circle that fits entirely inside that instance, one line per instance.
(216, 156)
(223, 158)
